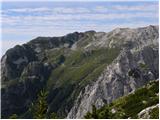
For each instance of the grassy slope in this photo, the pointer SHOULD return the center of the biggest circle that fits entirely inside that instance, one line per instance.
(78, 69)
(132, 104)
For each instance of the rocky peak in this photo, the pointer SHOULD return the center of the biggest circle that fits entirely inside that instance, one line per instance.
(15, 60)
(40, 44)
(48, 61)
(116, 81)
(135, 66)
(126, 37)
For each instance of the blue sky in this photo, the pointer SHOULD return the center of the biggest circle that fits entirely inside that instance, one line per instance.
(23, 21)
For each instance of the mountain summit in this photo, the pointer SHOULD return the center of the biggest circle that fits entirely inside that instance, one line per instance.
(78, 70)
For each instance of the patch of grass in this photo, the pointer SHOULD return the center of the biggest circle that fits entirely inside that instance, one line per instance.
(132, 104)
(79, 68)
(143, 66)
(154, 114)
(79, 65)
(54, 55)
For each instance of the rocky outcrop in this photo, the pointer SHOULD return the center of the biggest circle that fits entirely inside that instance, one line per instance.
(134, 67)
(26, 69)
(17, 58)
(14, 61)
(18, 96)
(113, 83)
(145, 114)
(43, 43)
(125, 37)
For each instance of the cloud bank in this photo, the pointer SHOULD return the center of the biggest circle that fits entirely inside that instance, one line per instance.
(21, 22)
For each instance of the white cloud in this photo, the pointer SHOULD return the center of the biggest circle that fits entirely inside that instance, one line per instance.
(41, 9)
(63, 20)
(80, 10)
(61, 28)
(78, 13)
(52, 18)
(59, 10)
(62, 10)
(101, 9)
(144, 7)
(51, 31)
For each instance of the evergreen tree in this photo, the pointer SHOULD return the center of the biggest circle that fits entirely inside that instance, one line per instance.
(39, 108)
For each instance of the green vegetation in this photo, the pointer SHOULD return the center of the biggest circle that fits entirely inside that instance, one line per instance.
(77, 70)
(80, 65)
(97, 114)
(129, 106)
(13, 116)
(143, 66)
(56, 55)
(154, 113)
(39, 108)
(74, 70)
(53, 116)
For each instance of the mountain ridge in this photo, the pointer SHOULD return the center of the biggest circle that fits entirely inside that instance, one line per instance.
(87, 65)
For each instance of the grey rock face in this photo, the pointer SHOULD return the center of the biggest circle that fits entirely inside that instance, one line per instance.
(24, 74)
(145, 114)
(24, 70)
(43, 43)
(125, 37)
(34, 77)
(17, 58)
(134, 67)
(14, 61)
(19, 95)
(13, 99)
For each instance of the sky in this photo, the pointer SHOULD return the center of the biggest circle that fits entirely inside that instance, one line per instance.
(23, 21)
